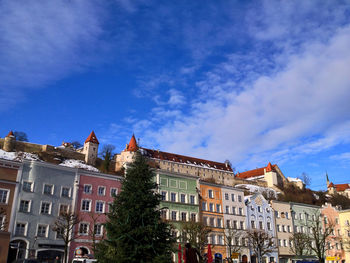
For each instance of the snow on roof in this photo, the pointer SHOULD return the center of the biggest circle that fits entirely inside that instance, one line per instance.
(18, 156)
(257, 189)
(292, 179)
(78, 164)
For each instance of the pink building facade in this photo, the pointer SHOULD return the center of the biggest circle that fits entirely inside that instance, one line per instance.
(335, 251)
(95, 192)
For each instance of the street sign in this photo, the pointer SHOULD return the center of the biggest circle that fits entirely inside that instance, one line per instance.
(235, 255)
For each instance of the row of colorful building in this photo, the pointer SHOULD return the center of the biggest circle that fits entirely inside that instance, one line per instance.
(38, 182)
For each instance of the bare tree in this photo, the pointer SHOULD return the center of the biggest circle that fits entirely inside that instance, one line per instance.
(95, 229)
(195, 233)
(234, 240)
(306, 179)
(319, 230)
(63, 226)
(20, 136)
(107, 155)
(260, 242)
(300, 244)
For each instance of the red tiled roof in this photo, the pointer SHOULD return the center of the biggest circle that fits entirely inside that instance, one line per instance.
(10, 134)
(185, 159)
(132, 146)
(341, 187)
(256, 172)
(92, 138)
(331, 185)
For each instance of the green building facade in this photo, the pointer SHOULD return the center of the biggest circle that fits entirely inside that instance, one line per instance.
(303, 215)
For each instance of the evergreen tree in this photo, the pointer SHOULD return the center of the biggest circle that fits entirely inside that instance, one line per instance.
(135, 232)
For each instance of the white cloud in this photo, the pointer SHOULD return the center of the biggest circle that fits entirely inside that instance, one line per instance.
(298, 108)
(43, 41)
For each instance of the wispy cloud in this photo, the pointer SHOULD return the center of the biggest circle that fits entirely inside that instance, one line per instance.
(44, 41)
(292, 110)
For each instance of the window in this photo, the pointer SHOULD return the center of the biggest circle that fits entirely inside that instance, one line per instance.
(192, 199)
(226, 196)
(210, 193)
(65, 192)
(211, 221)
(114, 192)
(289, 230)
(239, 198)
(204, 206)
(163, 195)
(87, 188)
(241, 223)
(193, 217)
(287, 215)
(59, 233)
(101, 190)
(233, 210)
(183, 216)
(212, 237)
(42, 231)
(63, 209)
(301, 229)
(285, 243)
(233, 197)
(253, 224)
(45, 208)
(219, 222)
(98, 229)
(173, 215)
(173, 197)
(300, 216)
(220, 240)
(240, 211)
(85, 205)
(283, 228)
(259, 209)
(27, 186)
(278, 228)
(261, 225)
(205, 220)
(211, 207)
(99, 207)
(279, 242)
(3, 196)
(21, 229)
(227, 209)
(24, 206)
(183, 198)
(228, 223)
(234, 224)
(2, 222)
(268, 225)
(218, 208)
(48, 189)
(84, 228)
(277, 214)
(163, 214)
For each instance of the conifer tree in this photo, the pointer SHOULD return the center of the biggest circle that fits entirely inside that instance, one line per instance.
(135, 231)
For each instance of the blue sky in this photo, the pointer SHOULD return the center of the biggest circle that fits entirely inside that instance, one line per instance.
(248, 81)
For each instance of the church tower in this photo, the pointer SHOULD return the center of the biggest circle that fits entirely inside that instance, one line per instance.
(126, 156)
(91, 149)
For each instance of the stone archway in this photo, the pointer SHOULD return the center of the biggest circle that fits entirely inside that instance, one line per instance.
(244, 259)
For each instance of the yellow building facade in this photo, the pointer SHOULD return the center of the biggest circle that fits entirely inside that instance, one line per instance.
(344, 220)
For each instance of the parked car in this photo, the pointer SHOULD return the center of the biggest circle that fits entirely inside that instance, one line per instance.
(84, 260)
(26, 261)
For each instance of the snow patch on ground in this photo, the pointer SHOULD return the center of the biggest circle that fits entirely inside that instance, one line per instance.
(78, 164)
(258, 189)
(18, 156)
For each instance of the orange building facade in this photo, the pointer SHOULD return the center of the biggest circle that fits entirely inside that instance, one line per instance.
(335, 251)
(212, 216)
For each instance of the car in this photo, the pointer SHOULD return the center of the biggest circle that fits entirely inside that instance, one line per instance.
(84, 260)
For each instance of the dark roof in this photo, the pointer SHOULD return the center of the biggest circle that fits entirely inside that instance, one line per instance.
(185, 159)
